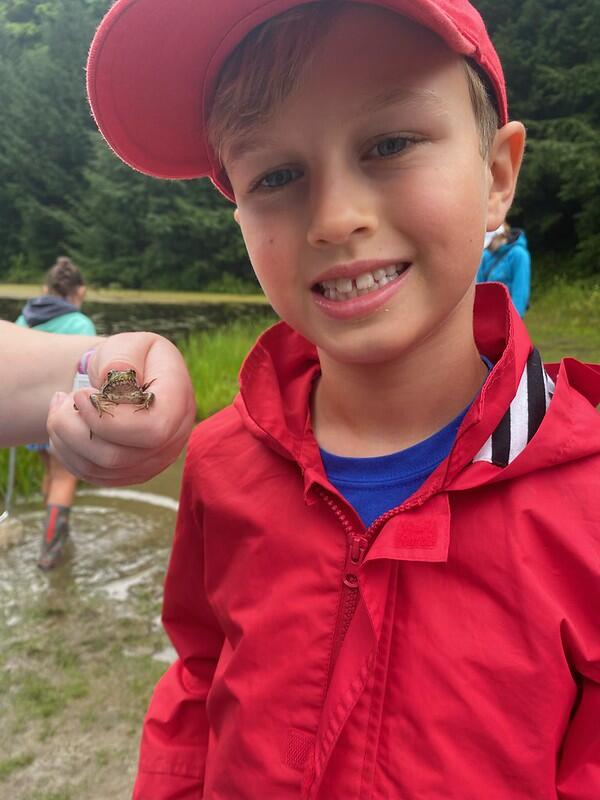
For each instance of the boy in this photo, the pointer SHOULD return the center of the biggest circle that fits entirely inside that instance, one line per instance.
(384, 580)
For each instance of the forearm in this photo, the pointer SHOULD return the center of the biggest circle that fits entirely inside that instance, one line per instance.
(35, 364)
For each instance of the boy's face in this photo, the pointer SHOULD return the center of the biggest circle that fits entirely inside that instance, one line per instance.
(373, 164)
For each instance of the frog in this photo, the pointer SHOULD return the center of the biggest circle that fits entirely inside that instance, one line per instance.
(121, 386)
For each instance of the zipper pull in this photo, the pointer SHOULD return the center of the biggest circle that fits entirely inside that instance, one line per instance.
(357, 547)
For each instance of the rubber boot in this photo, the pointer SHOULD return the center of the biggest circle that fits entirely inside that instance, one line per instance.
(56, 535)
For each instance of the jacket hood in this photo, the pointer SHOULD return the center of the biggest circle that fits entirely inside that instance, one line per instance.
(516, 238)
(46, 307)
(277, 376)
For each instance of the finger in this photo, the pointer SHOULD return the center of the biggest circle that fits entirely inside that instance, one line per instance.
(121, 351)
(173, 403)
(133, 426)
(101, 460)
(110, 465)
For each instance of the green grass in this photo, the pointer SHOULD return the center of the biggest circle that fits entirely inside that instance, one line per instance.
(564, 320)
(10, 765)
(214, 359)
(72, 673)
(28, 473)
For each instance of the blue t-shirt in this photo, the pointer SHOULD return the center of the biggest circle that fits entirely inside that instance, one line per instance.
(375, 485)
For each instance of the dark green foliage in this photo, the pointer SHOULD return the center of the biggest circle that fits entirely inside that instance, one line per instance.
(62, 190)
(44, 126)
(27, 476)
(141, 232)
(551, 57)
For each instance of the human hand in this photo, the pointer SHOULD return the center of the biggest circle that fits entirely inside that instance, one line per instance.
(128, 447)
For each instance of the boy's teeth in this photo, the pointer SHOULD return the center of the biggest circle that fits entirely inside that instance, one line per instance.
(345, 288)
(365, 281)
(343, 285)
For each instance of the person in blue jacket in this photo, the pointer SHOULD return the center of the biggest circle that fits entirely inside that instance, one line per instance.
(57, 310)
(506, 259)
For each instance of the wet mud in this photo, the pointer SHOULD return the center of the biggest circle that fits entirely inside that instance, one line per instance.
(81, 646)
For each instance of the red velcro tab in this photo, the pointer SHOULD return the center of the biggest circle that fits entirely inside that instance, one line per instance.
(417, 534)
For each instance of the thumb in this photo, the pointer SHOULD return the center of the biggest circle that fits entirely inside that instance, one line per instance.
(121, 351)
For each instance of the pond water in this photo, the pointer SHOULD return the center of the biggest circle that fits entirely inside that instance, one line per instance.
(118, 547)
(169, 319)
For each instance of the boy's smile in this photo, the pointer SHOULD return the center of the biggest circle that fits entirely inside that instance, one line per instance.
(342, 290)
(363, 201)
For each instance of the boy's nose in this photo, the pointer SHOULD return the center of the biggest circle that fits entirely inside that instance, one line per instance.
(340, 210)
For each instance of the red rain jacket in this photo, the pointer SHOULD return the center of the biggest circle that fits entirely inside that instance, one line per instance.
(449, 652)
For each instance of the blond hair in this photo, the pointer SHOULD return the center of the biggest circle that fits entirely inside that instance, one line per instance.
(266, 67)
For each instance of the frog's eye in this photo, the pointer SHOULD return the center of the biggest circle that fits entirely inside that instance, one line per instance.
(110, 373)
(131, 372)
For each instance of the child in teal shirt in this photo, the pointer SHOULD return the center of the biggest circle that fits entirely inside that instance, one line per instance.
(57, 310)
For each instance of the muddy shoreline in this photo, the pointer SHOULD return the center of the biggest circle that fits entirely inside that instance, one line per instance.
(82, 646)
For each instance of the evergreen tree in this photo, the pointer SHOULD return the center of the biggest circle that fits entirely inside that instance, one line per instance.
(45, 127)
(549, 49)
(137, 231)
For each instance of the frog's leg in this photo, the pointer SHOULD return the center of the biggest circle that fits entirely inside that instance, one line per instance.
(146, 402)
(102, 404)
(146, 385)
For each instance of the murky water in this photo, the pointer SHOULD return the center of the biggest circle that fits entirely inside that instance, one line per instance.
(171, 320)
(120, 540)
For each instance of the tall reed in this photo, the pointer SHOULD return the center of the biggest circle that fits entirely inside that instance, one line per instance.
(214, 359)
(28, 474)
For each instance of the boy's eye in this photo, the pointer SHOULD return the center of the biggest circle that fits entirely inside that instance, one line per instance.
(390, 146)
(277, 178)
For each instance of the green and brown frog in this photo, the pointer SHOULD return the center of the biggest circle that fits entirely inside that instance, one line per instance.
(121, 386)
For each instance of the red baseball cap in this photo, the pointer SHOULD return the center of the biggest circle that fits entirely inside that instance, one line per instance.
(153, 67)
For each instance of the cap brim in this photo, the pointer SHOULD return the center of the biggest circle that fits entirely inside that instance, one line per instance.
(153, 65)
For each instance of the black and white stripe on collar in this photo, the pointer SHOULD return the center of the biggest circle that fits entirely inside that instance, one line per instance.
(523, 417)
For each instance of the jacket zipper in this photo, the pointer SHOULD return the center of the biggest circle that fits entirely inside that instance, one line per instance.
(356, 548)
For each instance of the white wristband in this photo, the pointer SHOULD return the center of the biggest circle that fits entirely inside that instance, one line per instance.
(80, 381)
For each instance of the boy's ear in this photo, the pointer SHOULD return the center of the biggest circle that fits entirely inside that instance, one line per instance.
(505, 163)
(236, 215)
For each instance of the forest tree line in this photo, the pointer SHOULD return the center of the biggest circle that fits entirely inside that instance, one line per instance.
(62, 190)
